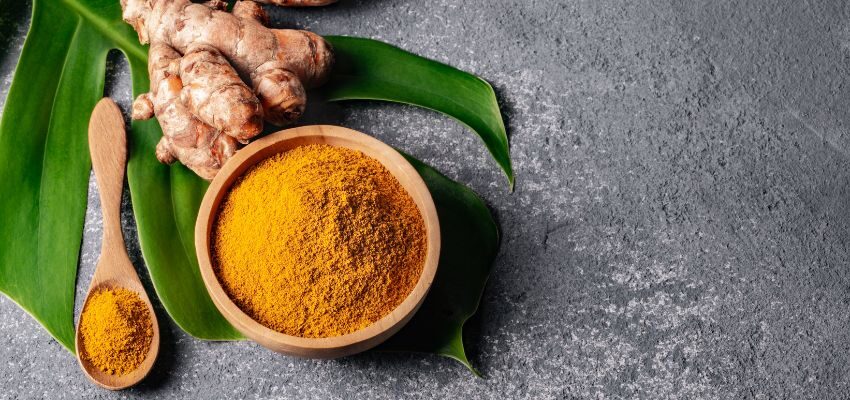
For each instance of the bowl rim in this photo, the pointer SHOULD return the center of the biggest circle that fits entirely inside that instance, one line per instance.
(326, 347)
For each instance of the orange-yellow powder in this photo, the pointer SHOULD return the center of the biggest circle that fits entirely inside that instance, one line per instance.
(116, 330)
(318, 241)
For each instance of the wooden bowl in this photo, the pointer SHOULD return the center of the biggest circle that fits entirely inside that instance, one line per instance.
(329, 347)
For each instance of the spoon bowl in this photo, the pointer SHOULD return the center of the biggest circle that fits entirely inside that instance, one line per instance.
(118, 382)
(108, 146)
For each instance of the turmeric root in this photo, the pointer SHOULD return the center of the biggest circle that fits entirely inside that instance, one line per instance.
(198, 58)
(196, 144)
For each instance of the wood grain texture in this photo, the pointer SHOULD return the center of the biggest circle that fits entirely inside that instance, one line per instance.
(108, 147)
(330, 347)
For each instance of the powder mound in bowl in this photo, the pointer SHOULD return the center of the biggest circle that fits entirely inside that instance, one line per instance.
(116, 331)
(318, 241)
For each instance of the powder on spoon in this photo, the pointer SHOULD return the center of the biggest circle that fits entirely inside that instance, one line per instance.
(116, 331)
(318, 241)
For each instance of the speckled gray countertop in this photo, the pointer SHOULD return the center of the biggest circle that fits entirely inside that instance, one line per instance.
(679, 229)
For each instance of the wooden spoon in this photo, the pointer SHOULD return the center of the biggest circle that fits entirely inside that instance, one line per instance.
(108, 147)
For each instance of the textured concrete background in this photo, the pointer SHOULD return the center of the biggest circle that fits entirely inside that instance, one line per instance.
(679, 229)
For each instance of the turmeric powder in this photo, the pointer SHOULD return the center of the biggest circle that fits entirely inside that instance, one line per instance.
(318, 241)
(116, 330)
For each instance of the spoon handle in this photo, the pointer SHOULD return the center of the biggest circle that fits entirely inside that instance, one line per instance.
(108, 147)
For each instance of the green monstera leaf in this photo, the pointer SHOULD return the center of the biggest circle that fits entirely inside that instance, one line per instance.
(369, 69)
(44, 176)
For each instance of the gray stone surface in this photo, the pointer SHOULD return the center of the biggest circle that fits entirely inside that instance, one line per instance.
(679, 228)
